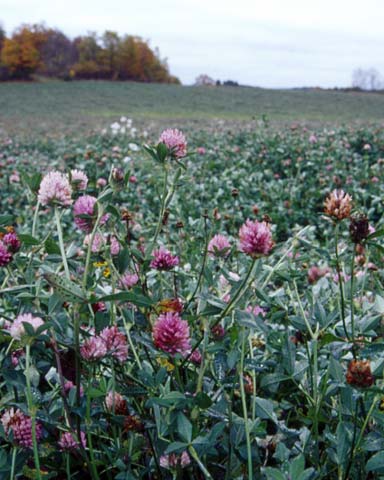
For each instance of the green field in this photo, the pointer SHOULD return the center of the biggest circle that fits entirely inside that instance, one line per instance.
(54, 107)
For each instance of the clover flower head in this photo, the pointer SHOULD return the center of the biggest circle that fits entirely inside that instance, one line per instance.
(68, 442)
(255, 238)
(171, 334)
(20, 425)
(79, 180)
(163, 259)
(17, 329)
(115, 343)
(55, 189)
(175, 141)
(219, 246)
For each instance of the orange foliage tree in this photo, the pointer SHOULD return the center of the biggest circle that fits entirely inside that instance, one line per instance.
(37, 49)
(20, 53)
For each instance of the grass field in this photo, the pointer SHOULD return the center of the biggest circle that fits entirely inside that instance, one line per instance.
(54, 107)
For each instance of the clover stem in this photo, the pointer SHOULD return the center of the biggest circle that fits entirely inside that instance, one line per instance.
(61, 242)
(31, 409)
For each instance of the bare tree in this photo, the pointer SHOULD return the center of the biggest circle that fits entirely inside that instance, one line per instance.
(2, 35)
(367, 79)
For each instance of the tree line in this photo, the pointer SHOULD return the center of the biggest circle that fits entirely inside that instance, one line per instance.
(37, 50)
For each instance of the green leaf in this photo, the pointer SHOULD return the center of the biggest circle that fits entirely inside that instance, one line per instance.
(176, 447)
(202, 400)
(184, 427)
(296, 467)
(172, 396)
(32, 181)
(376, 463)
(249, 320)
(307, 474)
(28, 239)
(162, 152)
(113, 211)
(53, 303)
(378, 233)
(51, 247)
(171, 399)
(137, 254)
(29, 330)
(379, 304)
(220, 364)
(6, 219)
(376, 245)
(122, 260)
(335, 370)
(264, 409)
(328, 338)
(273, 379)
(273, 474)
(289, 355)
(66, 289)
(132, 297)
(95, 393)
(344, 438)
(152, 152)
(34, 376)
(105, 196)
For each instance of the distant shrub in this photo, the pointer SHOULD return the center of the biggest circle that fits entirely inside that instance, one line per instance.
(230, 83)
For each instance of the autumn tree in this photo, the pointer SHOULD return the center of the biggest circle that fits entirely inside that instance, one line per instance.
(47, 51)
(110, 54)
(89, 53)
(128, 59)
(137, 61)
(58, 54)
(20, 53)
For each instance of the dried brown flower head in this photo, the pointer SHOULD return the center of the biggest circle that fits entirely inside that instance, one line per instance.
(216, 214)
(258, 342)
(170, 305)
(359, 228)
(359, 374)
(338, 205)
(248, 384)
(132, 422)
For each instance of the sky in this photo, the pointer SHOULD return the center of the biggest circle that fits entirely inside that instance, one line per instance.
(267, 43)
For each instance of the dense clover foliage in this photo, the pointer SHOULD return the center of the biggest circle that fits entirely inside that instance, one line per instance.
(205, 311)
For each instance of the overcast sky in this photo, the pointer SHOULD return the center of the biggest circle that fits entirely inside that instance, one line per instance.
(269, 43)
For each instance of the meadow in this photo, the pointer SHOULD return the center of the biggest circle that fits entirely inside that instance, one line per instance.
(72, 107)
(206, 305)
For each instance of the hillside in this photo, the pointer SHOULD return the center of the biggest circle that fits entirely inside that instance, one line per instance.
(53, 107)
